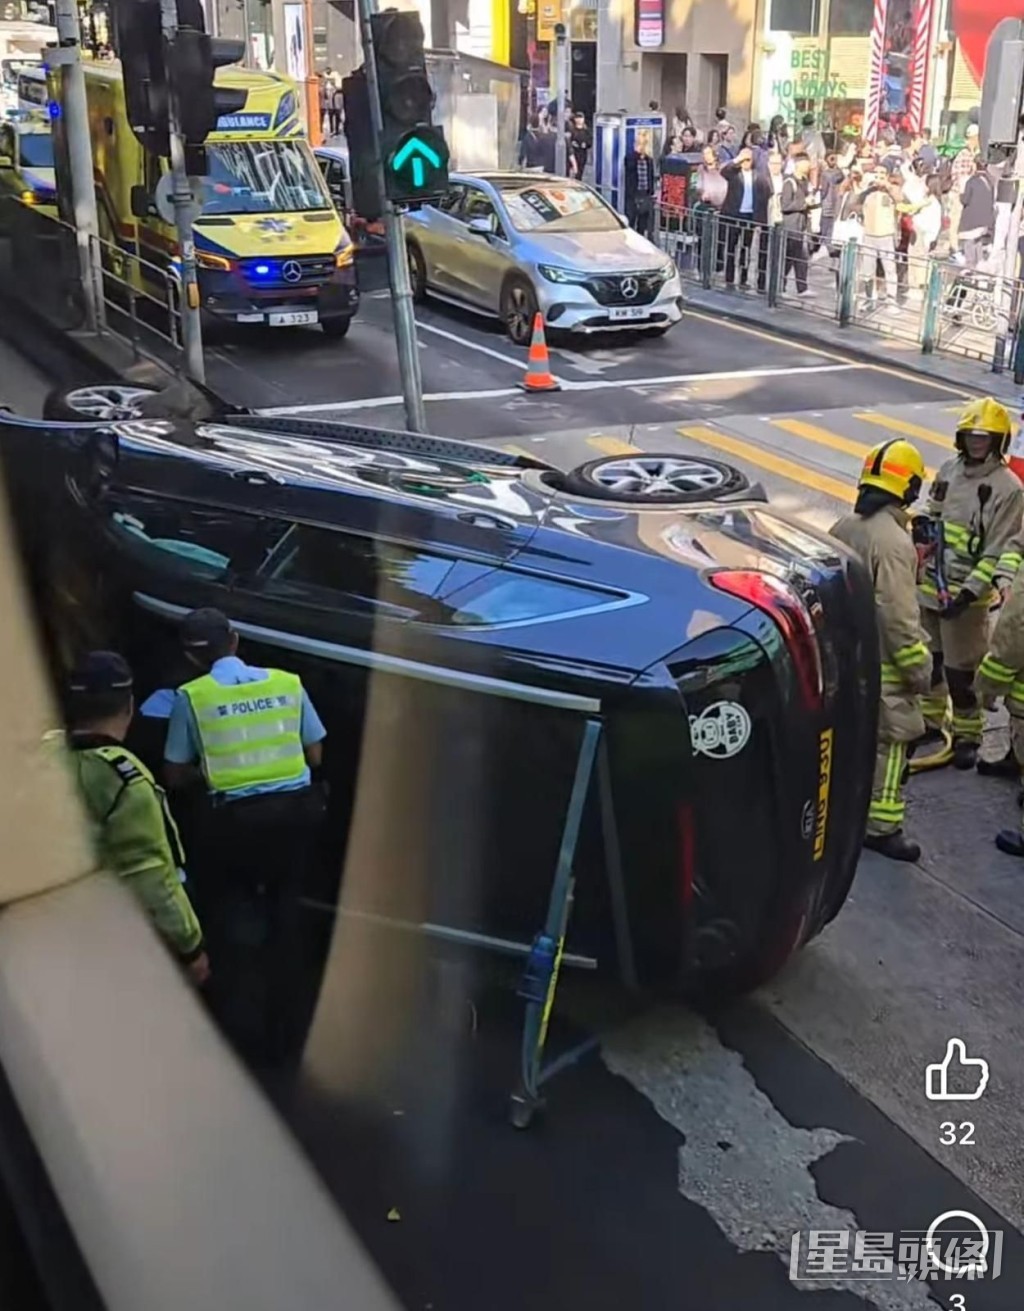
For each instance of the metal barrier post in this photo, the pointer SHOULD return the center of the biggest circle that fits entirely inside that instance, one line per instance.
(1018, 346)
(708, 225)
(540, 978)
(776, 245)
(847, 282)
(932, 300)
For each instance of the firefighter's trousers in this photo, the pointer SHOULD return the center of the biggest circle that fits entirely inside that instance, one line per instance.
(899, 722)
(958, 647)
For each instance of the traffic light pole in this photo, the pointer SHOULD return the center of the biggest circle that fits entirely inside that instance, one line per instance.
(398, 264)
(563, 65)
(83, 187)
(191, 326)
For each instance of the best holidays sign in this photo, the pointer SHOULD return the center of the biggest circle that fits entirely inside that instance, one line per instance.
(806, 78)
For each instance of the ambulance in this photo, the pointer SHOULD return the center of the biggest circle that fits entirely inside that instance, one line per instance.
(270, 245)
(26, 162)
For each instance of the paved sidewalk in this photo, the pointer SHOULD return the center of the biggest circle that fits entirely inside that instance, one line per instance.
(816, 327)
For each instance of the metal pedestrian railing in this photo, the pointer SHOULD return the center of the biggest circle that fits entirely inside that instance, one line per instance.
(873, 283)
(43, 270)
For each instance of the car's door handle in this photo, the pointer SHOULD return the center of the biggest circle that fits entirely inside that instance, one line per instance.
(481, 520)
(256, 477)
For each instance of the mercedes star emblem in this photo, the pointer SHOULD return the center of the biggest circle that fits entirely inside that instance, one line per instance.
(629, 288)
(291, 270)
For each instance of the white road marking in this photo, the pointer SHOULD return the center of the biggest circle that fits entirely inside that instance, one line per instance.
(740, 1159)
(590, 384)
(473, 345)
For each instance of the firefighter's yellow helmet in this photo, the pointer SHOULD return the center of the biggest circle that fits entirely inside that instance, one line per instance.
(985, 416)
(895, 467)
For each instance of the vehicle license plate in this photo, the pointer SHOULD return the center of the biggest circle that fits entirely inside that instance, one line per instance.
(250, 318)
(290, 317)
(628, 312)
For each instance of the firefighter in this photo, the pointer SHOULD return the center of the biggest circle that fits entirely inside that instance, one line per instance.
(974, 517)
(1001, 673)
(878, 531)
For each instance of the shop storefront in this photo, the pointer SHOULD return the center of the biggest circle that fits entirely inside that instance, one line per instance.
(817, 56)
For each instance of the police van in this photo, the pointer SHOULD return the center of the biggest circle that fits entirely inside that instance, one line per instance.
(270, 245)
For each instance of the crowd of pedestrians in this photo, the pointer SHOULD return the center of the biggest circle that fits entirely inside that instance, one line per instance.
(898, 198)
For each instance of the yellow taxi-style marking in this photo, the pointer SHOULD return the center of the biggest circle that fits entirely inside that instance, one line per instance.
(819, 482)
(906, 429)
(812, 433)
(613, 446)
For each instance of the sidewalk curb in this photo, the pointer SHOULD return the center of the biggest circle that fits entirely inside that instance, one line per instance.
(1007, 391)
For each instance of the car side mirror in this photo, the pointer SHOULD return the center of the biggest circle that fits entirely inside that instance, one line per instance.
(141, 204)
(481, 227)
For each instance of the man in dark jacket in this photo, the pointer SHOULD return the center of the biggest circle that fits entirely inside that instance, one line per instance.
(538, 146)
(796, 203)
(978, 217)
(745, 208)
(579, 143)
(640, 179)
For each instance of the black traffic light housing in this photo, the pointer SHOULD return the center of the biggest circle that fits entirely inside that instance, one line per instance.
(189, 65)
(413, 150)
(362, 151)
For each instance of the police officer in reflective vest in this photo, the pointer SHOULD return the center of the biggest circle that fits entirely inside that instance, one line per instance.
(135, 834)
(878, 531)
(255, 736)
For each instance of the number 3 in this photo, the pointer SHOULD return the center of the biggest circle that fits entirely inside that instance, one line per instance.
(958, 1302)
(949, 1134)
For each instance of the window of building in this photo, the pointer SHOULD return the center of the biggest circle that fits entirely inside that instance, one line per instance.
(799, 16)
(851, 17)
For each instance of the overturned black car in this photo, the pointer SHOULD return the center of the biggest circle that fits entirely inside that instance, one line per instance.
(457, 615)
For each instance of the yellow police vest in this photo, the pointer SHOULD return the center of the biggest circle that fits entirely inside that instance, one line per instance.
(249, 733)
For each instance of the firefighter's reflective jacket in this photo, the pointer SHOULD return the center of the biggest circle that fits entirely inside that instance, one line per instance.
(1001, 673)
(883, 543)
(979, 508)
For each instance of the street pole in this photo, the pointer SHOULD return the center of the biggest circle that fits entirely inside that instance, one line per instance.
(1008, 228)
(561, 95)
(184, 206)
(314, 118)
(83, 188)
(398, 263)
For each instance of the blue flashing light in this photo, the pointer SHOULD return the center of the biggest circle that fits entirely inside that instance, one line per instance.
(53, 109)
(262, 270)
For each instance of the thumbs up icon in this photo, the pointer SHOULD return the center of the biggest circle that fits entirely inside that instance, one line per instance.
(969, 1071)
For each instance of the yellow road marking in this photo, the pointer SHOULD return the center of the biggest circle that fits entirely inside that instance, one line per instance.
(819, 482)
(906, 375)
(519, 450)
(613, 446)
(906, 429)
(812, 433)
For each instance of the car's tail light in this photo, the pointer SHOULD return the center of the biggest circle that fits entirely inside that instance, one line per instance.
(791, 617)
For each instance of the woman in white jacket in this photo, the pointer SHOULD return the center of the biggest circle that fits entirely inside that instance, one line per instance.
(927, 221)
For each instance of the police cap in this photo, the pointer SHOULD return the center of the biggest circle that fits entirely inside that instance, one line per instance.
(206, 630)
(100, 672)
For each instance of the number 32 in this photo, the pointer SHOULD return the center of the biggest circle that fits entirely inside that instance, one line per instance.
(950, 1130)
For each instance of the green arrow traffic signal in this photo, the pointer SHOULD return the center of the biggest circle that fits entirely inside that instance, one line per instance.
(417, 167)
(415, 151)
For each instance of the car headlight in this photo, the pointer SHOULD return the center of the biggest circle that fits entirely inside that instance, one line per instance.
(554, 274)
(207, 260)
(667, 270)
(344, 256)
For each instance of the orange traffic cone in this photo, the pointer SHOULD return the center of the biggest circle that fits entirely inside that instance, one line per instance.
(538, 367)
(1016, 460)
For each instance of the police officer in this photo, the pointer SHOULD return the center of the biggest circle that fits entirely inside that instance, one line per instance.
(254, 736)
(975, 510)
(878, 531)
(136, 835)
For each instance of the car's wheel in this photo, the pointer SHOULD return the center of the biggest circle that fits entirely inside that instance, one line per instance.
(336, 329)
(417, 273)
(518, 307)
(102, 401)
(647, 478)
